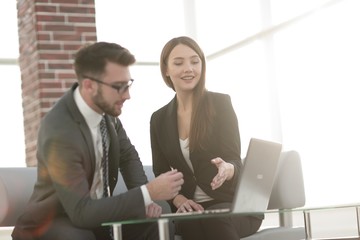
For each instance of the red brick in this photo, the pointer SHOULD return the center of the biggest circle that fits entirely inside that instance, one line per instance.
(45, 8)
(83, 29)
(84, 19)
(62, 75)
(62, 55)
(67, 37)
(52, 94)
(49, 46)
(58, 27)
(47, 75)
(43, 36)
(89, 38)
(49, 18)
(72, 46)
(68, 84)
(60, 66)
(51, 85)
(75, 9)
(68, 1)
(45, 104)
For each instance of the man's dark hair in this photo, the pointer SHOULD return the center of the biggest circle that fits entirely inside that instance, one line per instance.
(91, 59)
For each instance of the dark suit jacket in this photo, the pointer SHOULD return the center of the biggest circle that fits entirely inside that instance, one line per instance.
(66, 165)
(224, 142)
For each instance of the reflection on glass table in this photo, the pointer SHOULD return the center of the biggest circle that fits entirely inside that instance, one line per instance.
(163, 221)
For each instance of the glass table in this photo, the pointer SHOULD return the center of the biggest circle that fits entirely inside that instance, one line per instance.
(163, 221)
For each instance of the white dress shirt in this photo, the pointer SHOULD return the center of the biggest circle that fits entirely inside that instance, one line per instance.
(199, 194)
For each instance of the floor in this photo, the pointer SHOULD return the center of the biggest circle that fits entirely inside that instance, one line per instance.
(325, 225)
(337, 239)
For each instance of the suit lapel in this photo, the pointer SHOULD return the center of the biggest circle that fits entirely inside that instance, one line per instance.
(78, 117)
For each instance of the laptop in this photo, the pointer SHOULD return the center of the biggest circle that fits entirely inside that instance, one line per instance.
(255, 182)
(258, 176)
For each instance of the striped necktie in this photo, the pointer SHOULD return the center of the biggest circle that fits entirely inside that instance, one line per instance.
(105, 158)
(105, 162)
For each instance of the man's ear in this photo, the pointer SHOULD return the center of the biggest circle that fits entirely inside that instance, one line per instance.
(87, 84)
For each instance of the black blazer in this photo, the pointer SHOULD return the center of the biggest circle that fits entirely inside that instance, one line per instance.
(66, 165)
(224, 142)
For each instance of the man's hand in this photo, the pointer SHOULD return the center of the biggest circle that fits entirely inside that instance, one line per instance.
(166, 186)
(153, 210)
(225, 172)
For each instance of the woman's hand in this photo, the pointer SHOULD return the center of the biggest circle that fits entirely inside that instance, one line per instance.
(225, 172)
(190, 206)
(186, 205)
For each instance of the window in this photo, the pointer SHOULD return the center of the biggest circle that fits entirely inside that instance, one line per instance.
(12, 126)
(290, 68)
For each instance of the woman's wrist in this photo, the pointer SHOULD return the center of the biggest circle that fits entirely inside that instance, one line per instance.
(231, 171)
(178, 200)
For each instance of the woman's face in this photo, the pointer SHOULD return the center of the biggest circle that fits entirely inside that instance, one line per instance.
(184, 68)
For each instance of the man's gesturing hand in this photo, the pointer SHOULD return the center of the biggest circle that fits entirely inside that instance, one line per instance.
(166, 186)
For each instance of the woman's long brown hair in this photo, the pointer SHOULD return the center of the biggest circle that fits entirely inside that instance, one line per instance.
(202, 109)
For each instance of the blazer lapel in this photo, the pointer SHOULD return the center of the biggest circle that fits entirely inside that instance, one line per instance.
(78, 117)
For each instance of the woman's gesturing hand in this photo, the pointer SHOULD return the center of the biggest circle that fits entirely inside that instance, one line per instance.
(225, 172)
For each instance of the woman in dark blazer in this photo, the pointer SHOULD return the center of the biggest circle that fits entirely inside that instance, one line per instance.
(197, 133)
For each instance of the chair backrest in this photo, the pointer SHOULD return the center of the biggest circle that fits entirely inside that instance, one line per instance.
(16, 186)
(288, 190)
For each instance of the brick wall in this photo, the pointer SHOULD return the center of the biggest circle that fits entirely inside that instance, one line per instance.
(50, 31)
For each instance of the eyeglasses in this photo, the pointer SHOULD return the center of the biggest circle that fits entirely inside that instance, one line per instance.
(119, 87)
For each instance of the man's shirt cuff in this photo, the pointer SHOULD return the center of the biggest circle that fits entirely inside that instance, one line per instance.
(146, 195)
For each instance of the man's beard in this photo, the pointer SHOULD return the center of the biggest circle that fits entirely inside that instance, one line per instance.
(100, 102)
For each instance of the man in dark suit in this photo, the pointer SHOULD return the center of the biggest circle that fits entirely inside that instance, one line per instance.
(73, 193)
